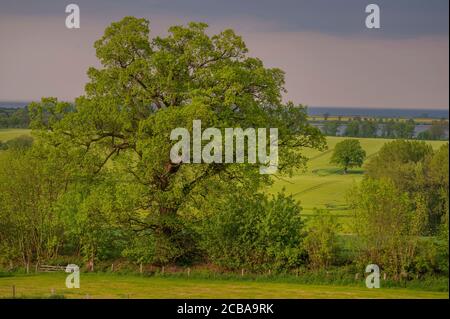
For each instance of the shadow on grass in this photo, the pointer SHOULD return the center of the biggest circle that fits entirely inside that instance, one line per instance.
(336, 171)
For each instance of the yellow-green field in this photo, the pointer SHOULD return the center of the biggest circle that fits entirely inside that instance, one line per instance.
(133, 286)
(324, 185)
(7, 134)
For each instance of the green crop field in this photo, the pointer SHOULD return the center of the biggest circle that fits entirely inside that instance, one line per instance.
(134, 286)
(323, 185)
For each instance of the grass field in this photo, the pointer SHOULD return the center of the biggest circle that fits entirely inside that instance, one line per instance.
(133, 286)
(324, 185)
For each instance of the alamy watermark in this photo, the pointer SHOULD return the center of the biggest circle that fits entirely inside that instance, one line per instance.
(250, 139)
(73, 19)
(373, 19)
(73, 279)
(373, 279)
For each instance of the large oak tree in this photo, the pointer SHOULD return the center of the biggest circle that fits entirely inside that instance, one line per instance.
(120, 128)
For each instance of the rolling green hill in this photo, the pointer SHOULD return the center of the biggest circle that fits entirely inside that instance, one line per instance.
(323, 185)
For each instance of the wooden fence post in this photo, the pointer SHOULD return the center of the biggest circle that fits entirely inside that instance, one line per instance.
(189, 272)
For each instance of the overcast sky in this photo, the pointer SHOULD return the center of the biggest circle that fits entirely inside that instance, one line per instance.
(329, 56)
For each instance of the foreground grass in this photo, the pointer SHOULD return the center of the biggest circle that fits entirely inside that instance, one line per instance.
(115, 286)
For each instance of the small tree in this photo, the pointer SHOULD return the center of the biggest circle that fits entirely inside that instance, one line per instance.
(347, 154)
(387, 224)
(321, 240)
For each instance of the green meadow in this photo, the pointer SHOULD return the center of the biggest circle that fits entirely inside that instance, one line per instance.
(114, 286)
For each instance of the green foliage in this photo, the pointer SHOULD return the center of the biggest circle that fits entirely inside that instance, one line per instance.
(352, 129)
(322, 239)
(402, 161)
(255, 232)
(347, 154)
(437, 131)
(388, 225)
(14, 117)
(398, 129)
(30, 229)
(417, 170)
(400, 151)
(119, 132)
(330, 128)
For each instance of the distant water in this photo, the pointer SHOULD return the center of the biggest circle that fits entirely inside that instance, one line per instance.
(391, 113)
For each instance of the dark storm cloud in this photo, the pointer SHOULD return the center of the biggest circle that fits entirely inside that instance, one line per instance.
(400, 18)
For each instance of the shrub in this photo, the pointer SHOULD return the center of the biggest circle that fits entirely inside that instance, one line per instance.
(322, 239)
(255, 232)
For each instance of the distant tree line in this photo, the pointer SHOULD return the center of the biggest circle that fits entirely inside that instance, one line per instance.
(435, 132)
(390, 128)
(400, 219)
(14, 118)
(21, 142)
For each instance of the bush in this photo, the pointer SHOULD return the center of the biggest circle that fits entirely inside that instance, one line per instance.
(322, 239)
(255, 232)
(388, 225)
